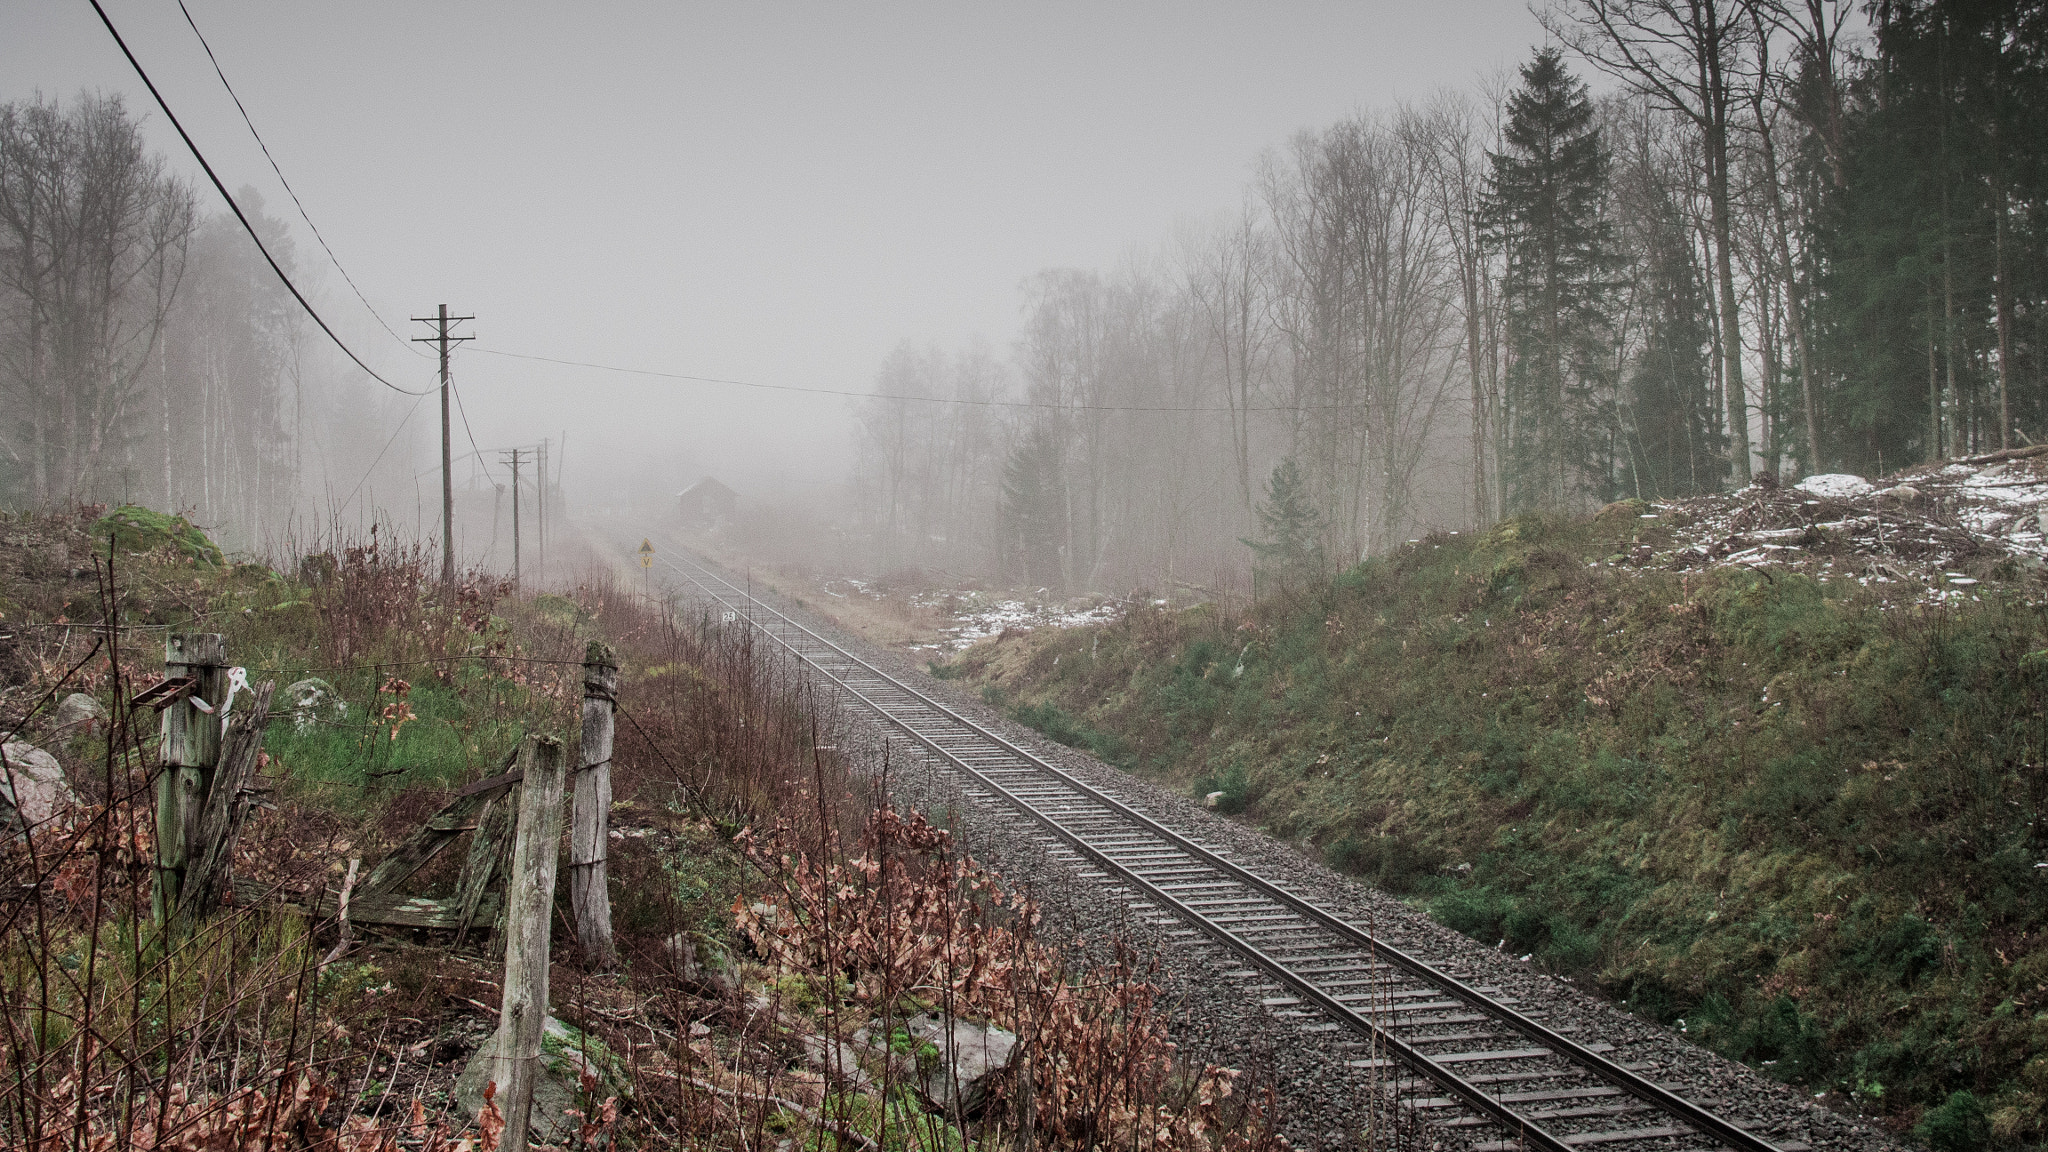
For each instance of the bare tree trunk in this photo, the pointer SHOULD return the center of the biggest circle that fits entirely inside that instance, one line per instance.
(1731, 321)
(1678, 55)
(1933, 384)
(1958, 427)
(2003, 302)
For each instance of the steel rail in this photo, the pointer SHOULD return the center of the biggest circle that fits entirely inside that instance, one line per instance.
(1655, 1095)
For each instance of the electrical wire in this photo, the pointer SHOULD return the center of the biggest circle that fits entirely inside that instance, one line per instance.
(435, 662)
(1034, 404)
(380, 454)
(436, 466)
(331, 335)
(466, 432)
(289, 190)
(237, 208)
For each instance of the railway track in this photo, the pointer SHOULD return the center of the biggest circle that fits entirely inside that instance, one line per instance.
(1461, 1056)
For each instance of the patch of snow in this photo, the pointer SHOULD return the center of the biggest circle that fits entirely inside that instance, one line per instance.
(1909, 531)
(1836, 486)
(978, 616)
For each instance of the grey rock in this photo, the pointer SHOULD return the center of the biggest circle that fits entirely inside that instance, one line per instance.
(701, 963)
(78, 714)
(682, 956)
(566, 1054)
(314, 701)
(837, 1056)
(33, 787)
(965, 1069)
(716, 969)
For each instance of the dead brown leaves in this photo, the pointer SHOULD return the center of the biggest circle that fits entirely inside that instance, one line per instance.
(906, 912)
(249, 1120)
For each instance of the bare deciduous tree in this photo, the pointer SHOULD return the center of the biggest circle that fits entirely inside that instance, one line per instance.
(1686, 55)
(93, 236)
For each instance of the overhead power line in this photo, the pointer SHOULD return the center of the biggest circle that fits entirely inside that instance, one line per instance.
(237, 208)
(849, 393)
(465, 428)
(288, 189)
(380, 452)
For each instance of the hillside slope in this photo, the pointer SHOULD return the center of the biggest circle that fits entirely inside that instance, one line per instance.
(1789, 808)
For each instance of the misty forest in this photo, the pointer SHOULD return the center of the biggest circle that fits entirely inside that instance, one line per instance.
(1526, 627)
(1769, 249)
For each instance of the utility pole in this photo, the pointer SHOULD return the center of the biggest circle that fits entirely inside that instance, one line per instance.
(513, 456)
(441, 336)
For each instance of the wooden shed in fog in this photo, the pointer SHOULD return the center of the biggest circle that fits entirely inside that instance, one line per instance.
(707, 503)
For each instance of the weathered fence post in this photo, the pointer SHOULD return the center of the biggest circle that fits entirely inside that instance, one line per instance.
(590, 827)
(529, 897)
(191, 743)
(210, 857)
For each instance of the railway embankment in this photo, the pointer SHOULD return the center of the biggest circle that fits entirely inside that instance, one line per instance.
(1323, 1088)
(1786, 806)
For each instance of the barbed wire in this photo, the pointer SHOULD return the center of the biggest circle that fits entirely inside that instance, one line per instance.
(427, 663)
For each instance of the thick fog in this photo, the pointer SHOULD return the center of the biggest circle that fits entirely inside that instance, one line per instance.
(772, 193)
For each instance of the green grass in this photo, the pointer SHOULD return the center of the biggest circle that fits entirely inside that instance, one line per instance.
(1801, 822)
(460, 729)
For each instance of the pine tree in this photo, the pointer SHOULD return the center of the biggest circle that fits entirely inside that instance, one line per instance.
(1031, 514)
(1674, 447)
(1931, 254)
(1545, 207)
(1292, 552)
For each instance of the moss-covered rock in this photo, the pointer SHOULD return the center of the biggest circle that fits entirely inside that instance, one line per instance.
(134, 528)
(567, 1053)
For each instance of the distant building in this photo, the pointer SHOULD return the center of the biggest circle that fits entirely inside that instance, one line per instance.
(707, 503)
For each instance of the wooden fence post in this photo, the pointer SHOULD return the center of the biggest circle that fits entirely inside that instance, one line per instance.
(210, 859)
(191, 743)
(530, 897)
(590, 827)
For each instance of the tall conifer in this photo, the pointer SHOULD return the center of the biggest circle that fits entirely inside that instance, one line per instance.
(1546, 210)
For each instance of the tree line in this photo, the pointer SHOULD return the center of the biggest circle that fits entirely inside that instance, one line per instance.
(147, 353)
(1787, 237)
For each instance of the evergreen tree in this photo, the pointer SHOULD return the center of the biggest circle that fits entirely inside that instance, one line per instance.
(1292, 552)
(1032, 512)
(1947, 129)
(1674, 447)
(1545, 209)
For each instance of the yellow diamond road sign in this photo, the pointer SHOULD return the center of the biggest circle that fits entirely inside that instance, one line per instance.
(646, 553)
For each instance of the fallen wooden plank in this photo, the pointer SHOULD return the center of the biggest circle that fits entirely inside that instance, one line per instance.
(440, 830)
(385, 909)
(491, 785)
(486, 857)
(407, 911)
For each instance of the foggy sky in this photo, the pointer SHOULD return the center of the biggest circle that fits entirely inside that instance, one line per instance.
(767, 191)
